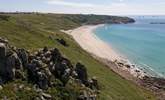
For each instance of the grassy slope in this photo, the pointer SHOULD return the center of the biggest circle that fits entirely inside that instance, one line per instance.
(33, 31)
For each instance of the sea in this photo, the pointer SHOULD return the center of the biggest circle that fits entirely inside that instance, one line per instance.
(142, 42)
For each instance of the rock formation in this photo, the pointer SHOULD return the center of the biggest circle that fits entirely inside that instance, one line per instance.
(42, 68)
(62, 42)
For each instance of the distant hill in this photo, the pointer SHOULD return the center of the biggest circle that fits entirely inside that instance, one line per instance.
(84, 19)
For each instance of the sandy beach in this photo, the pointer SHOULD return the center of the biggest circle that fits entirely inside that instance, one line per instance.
(86, 38)
(88, 41)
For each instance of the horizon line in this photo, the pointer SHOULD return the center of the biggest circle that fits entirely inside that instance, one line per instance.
(43, 12)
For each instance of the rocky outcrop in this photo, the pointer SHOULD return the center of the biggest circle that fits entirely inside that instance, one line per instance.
(43, 67)
(81, 73)
(155, 84)
(62, 42)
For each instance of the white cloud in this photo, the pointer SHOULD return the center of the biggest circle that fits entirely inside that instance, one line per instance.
(119, 4)
(118, 8)
(72, 4)
(85, 5)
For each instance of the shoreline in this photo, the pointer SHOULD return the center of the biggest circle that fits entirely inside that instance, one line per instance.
(86, 38)
(103, 52)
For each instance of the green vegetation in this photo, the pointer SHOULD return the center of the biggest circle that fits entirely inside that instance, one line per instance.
(33, 31)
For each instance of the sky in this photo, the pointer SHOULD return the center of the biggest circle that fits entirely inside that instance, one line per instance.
(106, 7)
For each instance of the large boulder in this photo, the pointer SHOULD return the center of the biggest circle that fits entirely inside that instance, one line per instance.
(82, 73)
(31, 72)
(62, 42)
(2, 58)
(56, 55)
(12, 66)
(3, 51)
(42, 80)
(60, 68)
(23, 55)
(10, 63)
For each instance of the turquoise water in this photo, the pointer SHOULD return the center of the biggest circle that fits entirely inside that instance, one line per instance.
(142, 43)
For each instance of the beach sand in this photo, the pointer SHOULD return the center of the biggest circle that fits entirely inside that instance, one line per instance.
(88, 41)
(103, 52)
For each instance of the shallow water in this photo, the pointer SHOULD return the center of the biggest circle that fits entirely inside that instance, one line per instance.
(142, 43)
